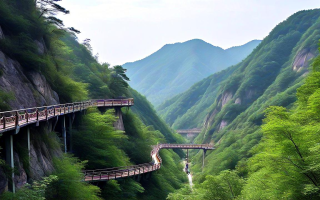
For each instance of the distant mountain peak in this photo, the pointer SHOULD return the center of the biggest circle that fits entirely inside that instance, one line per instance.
(176, 67)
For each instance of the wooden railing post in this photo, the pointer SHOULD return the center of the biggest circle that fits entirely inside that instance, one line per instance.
(4, 122)
(17, 119)
(27, 116)
(37, 112)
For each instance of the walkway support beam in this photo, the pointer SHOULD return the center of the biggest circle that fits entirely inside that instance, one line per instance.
(64, 133)
(70, 132)
(10, 161)
(204, 154)
(29, 145)
(187, 156)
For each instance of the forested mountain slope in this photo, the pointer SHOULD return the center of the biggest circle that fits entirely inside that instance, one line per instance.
(175, 67)
(276, 65)
(283, 164)
(46, 64)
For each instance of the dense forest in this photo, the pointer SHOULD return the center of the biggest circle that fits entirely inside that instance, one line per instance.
(262, 119)
(261, 114)
(39, 42)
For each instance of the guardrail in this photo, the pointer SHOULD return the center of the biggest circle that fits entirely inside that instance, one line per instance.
(127, 171)
(10, 120)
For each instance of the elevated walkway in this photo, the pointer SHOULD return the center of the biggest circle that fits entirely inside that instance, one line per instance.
(129, 171)
(13, 120)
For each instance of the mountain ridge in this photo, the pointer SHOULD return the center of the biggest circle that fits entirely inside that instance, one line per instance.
(176, 67)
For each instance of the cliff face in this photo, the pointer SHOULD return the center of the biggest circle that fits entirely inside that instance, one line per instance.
(29, 89)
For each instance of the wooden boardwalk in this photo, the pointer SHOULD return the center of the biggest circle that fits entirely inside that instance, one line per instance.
(15, 119)
(129, 171)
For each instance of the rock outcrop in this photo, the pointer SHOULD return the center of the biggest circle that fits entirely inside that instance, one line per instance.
(301, 59)
(29, 89)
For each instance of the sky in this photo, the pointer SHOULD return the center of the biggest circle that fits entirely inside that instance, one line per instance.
(129, 30)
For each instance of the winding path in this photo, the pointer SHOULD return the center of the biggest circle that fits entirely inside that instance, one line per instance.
(128, 171)
(15, 119)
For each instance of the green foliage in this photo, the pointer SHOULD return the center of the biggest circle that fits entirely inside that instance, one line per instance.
(69, 184)
(149, 117)
(226, 185)
(5, 97)
(176, 67)
(34, 191)
(39, 42)
(286, 163)
(127, 189)
(97, 141)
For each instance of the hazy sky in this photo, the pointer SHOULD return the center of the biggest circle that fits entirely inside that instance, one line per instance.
(128, 30)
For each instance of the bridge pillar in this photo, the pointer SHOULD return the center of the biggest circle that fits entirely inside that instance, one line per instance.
(70, 132)
(28, 138)
(64, 133)
(204, 153)
(10, 160)
(187, 156)
(119, 123)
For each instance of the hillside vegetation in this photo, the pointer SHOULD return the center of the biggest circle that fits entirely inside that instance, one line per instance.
(278, 63)
(175, 67)
(283, 164)
(41, 43)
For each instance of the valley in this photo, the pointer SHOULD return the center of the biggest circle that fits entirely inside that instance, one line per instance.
(190, 121)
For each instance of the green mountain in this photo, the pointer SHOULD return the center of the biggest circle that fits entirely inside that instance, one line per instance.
(175, 67)
(278, 160)
(230, 105)
(276, 64)
(45, 64)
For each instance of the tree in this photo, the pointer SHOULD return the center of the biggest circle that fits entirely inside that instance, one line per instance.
(49, 9)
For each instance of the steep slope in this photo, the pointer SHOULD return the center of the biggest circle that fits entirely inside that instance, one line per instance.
(277, 63)
(270, 75)
(41, 64)
(284, 164)
(175, 67)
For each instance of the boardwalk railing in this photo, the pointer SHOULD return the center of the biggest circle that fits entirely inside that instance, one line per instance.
(10, 120)
(128, 171)
(189, 131)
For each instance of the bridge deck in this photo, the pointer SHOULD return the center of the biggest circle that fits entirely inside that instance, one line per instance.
(128, 171)
(189, 131)
(14, 119)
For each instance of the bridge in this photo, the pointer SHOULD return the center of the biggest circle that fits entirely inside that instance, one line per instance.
(12, 121)
(136, 170)
(190, 133)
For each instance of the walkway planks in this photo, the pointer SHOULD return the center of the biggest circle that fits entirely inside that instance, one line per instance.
(128, 171)
(15, 119)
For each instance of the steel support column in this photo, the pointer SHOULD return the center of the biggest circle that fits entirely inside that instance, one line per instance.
(10, 161)
(64, 133)
(28, 137)
(204, 153)
(187, 156)
(70, 133)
